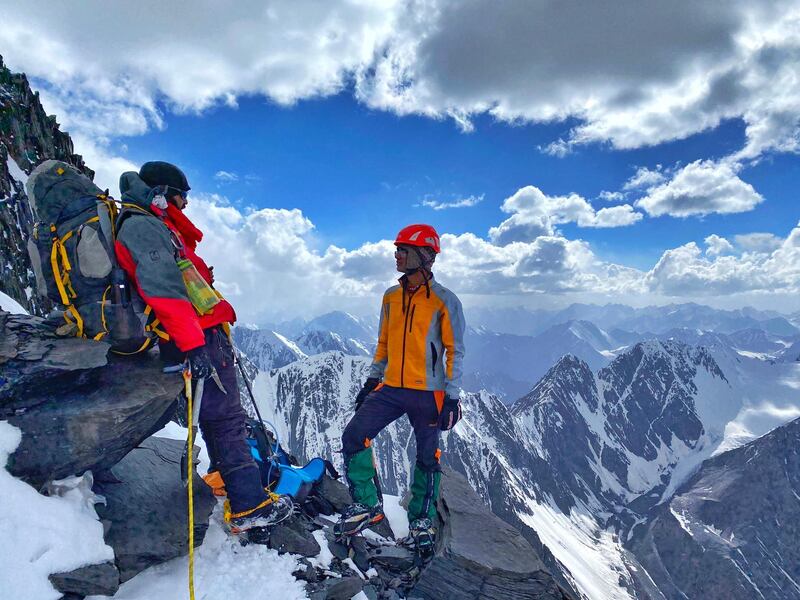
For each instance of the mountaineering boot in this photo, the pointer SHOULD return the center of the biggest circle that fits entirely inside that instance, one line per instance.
(357, 517)
(423, 534)
(269, 513)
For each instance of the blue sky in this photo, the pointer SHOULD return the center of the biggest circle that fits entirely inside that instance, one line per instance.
(360, 174)
(643, 152)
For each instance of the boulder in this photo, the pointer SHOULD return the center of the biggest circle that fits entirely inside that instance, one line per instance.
(101, 579)
(490, 561)
(146, 510)
(335, 492)
(290, 536)
(78, 406)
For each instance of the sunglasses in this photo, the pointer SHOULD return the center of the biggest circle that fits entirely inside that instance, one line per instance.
(401, 251)
(172, 191)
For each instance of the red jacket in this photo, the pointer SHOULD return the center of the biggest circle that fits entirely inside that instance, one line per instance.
(146, 250)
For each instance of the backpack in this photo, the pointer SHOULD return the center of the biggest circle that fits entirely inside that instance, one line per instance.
(281, 473)
(73, 258)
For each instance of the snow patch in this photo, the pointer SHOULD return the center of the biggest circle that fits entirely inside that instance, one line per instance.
(68, 534)
(223, 568)
(8, 304)
(15, 171)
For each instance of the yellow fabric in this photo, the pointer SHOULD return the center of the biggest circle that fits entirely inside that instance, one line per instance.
(403, 342)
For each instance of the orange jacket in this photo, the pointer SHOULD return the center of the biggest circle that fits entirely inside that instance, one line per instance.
(420, 340)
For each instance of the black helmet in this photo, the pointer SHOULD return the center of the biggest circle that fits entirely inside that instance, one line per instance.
(157, 172)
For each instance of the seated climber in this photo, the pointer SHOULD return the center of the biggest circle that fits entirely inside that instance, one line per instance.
(154, 237)
(420, 320)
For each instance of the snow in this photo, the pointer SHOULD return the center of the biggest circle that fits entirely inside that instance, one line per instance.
(15, 171)
(593, 557)
(396, 514)
(8, 304)
(222, 569)
(68, 534)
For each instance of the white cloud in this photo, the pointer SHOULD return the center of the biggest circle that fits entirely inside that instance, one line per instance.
(611, 196)
(534, 214)
(663, 71)
(268, 262)
(717, 246)
(463, 203)
(225, 177)
(701, 188)
(758, 242)
(645, 178)
(559, 148)
(685, 271)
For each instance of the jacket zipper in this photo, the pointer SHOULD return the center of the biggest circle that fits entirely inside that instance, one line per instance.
(434, 357)
(406, 328)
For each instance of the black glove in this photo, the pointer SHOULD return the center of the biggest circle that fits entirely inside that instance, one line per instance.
(451, 413)
(369, 385)
(200, 363)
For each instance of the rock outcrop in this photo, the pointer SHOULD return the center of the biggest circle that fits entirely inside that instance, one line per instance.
(79, 407)
(480, 556)
(146, 507)
(27, 137)
(731, 531)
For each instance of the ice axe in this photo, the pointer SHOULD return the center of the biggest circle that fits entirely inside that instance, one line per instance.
(193, 415)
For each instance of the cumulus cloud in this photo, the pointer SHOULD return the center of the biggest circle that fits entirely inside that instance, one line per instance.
(716, 245)
(269, 262)
(701, 188)
(665, 70)
(758, 242)
(611, 196)
(645, 178)
(462, 203)
(686, 271)
(535, 214)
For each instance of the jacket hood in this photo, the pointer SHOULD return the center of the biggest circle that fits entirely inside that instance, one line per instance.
(134, 190)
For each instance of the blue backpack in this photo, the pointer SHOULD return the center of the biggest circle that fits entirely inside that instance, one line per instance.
(281, 473)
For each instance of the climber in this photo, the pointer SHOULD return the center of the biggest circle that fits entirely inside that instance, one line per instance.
(154, 237)
(410, 374)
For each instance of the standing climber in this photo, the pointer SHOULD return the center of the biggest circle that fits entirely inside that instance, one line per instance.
(155, 244)
(416, 371)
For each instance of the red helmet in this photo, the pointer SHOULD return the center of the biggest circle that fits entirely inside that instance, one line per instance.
(419, 235)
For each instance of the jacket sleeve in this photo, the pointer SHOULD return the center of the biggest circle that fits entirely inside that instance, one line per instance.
(144, 249)
(453, 327)
(380, 359)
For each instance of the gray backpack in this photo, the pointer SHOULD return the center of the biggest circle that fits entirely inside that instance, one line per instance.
(72, 252)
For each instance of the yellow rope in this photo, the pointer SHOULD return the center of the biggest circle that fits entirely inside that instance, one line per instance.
(187, 380)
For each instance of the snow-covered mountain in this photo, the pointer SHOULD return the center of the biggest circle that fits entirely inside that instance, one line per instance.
(316, 341)
(266, 349)
(510, 365)
(345, 325)
(578, 461)
(731, 531)
(653, 319)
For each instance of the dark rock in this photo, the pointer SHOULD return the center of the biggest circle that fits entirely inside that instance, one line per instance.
(731, 530)
(101, 579)
(360, 553)
(335, 492)
(370, 592)
(343, 589)
(306, 572)
(490, 561)
(77, 409)
(147, 511)
(395, 558)
(383, 528)
(290, 536)
(338, 549)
